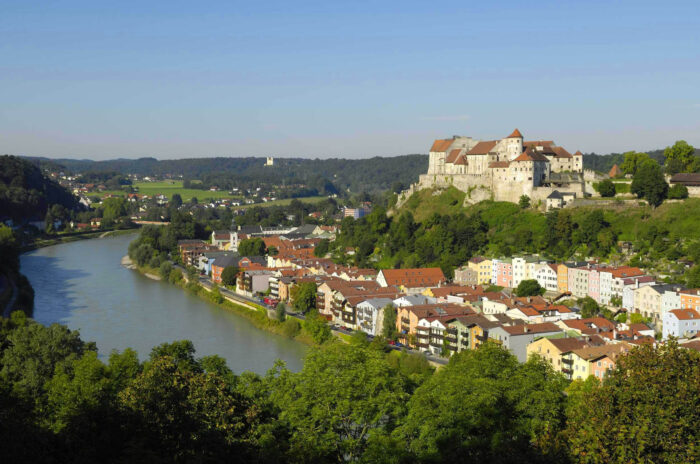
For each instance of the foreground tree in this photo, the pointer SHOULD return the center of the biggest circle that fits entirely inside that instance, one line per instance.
(252, 247)
(646, 410)
(484, 407)
(345, 399)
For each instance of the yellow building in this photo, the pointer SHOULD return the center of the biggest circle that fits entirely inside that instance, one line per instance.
(596, 360)
(563, 278)
(483, 268)
(557, 351)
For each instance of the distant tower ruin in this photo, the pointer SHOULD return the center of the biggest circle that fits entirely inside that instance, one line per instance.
(270, 161)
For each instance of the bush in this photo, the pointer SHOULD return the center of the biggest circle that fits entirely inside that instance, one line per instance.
(606, 188)
(291, 327)
(281, 312)
(678, 192)
(175, 276)
(165, 269)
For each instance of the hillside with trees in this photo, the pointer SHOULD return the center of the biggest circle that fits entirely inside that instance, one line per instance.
(324, 175)
(25, 193)
(435, 230)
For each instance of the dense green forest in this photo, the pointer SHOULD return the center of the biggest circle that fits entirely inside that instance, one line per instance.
(25, 193)
(61, 402)
(356, 175)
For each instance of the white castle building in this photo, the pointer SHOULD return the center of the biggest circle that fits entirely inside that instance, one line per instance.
(502, 170)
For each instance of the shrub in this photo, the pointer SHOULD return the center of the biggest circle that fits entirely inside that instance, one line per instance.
(678, 192)
(606, 188)
(291, 327)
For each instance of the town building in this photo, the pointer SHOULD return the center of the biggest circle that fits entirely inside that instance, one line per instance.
(681, 323)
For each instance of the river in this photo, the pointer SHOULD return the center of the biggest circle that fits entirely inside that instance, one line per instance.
(82, 285)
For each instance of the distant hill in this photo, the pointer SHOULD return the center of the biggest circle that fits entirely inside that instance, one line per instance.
(25, 193)
(357, 175)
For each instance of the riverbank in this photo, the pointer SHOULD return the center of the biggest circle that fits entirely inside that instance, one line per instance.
(67, 238)
(291, 328)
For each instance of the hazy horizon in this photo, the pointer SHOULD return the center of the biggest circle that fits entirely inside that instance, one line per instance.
(171, 80)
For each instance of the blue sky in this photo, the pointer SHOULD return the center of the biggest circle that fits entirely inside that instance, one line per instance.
(351, 79)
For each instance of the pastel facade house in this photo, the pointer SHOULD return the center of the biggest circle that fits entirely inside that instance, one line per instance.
(516, 338)
(370, 315)
(596, 360)
(578, 281)
(681, 323)
(690, 299)
(547, 277)
(483, 268)
(647, 301)
(466, 276)
(504, 273)
(556, 351)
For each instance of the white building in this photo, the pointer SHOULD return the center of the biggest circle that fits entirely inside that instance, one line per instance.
(370, 315)
(546, 276)
(680, 323)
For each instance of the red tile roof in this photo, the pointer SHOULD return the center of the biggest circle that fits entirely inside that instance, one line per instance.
(530, 155)
(516, 133)
(685, 314)
(499, 164)
(578, 153)
(482, 148)
(561, 152)
(461, 161)
(452, 157)
(421, 277)
(441, 145)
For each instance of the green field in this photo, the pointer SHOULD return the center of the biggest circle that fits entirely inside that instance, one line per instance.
(171, 187)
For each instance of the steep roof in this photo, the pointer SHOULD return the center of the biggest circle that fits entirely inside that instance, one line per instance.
(685, 314)
(461, 161)
(441, 145)
(420, 277)
(452, 157)
(561, 152)
(516, 134)
(530, 155)
(482, 148)
(578, 153)
(615, 171)
(555, 195)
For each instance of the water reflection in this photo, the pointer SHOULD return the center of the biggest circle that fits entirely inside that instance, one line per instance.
(83, 285)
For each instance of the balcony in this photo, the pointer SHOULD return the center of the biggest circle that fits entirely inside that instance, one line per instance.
(568, 361)
(482, 338)
(567, 371)
(423, 329)
(452, 339)
(405, 320)
(452, 331)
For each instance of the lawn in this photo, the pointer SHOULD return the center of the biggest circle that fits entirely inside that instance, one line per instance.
(171, 187)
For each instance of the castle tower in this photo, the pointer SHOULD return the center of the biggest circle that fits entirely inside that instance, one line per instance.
(514, 145)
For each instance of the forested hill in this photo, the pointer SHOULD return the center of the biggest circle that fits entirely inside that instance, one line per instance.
(370, 174)
(25, 193)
